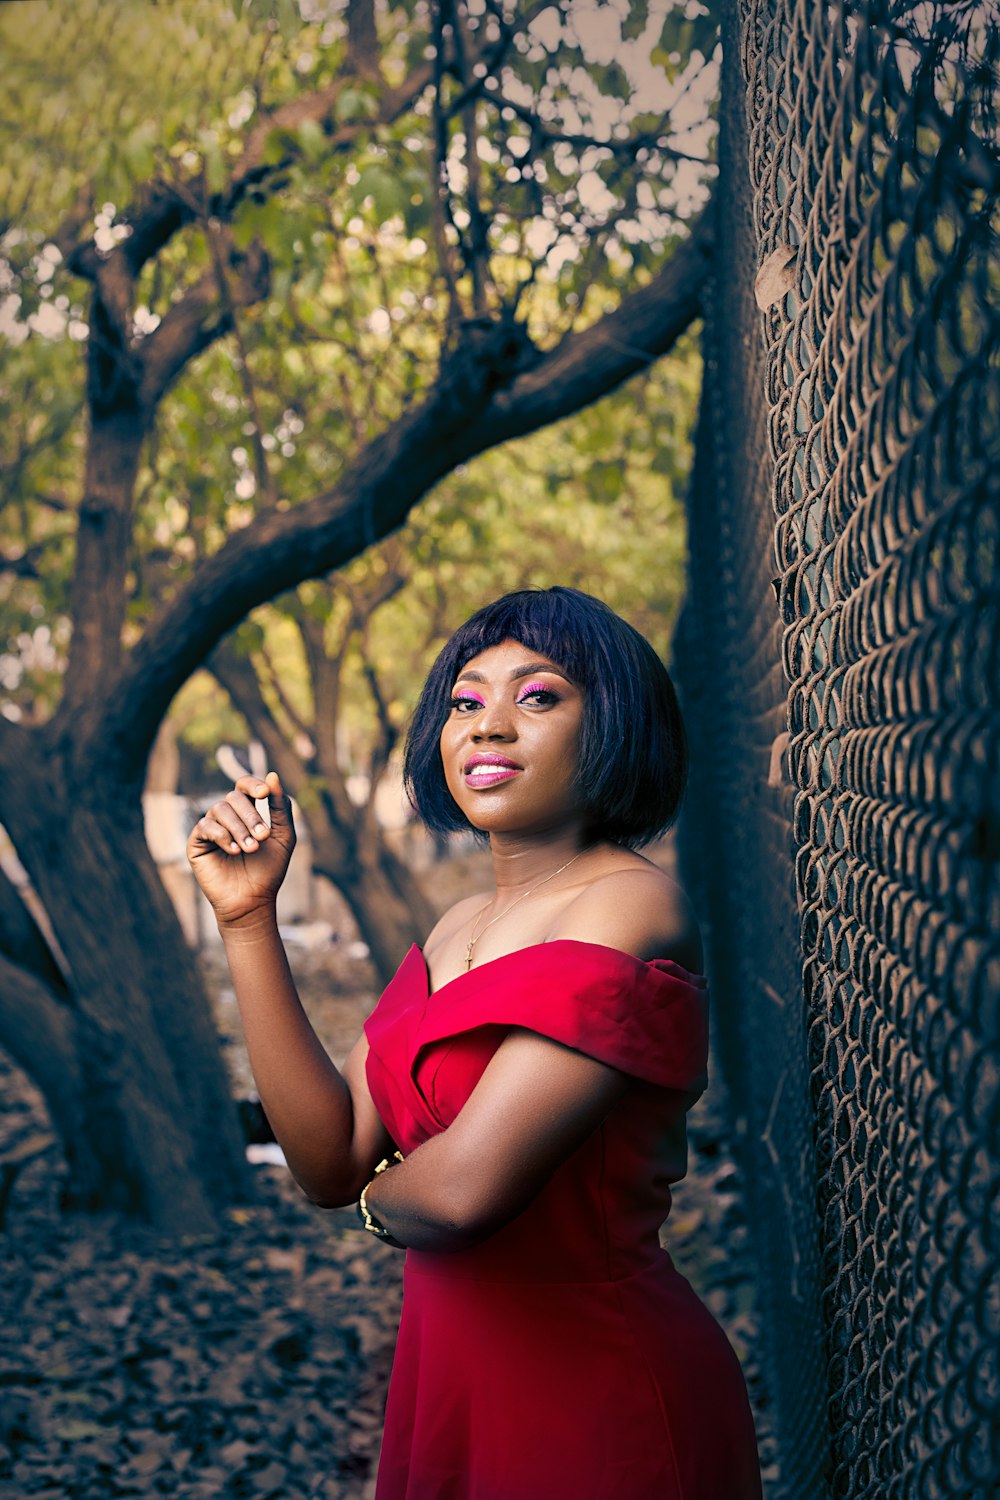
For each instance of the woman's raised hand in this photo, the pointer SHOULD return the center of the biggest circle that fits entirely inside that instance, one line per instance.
(237, 860)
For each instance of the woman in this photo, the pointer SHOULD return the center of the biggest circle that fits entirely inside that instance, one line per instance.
(526, 1077)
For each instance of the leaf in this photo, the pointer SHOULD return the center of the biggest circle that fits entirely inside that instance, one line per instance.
(138, 151)
(275, 147)
(387, 192)
(288, 17)
(776, 276)
(216, 171)
(606, 482)
(634, 23)
(357, 101)
(263, 221)
(271, 1480)
(76, 1429)
(312, 139)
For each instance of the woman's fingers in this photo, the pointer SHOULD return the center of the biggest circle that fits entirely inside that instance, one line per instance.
(236, 827)
(234, 821)
(235, 824)
(279, 808)
(279, 804)
(250, 824)
(214, 832)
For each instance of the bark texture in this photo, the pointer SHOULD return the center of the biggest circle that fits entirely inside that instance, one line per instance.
(127, 1057)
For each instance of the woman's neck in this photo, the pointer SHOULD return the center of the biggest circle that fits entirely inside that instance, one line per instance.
(520, 862)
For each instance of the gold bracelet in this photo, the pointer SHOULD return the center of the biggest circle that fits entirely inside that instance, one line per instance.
(368, 1219)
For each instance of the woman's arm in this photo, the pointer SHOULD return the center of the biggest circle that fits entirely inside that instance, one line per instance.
(325, 1122)
(536, 1102)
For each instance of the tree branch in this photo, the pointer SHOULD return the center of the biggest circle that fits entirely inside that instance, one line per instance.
(246, 289)
(587, 365)
(161, 208)
(388, 733)
(236, 675)
(442, 217)
(364, 603)
(493, 388)
(362, 39)
(324, 676)
(201, 316)
(657, 139)
(295, 722)
(479, 260)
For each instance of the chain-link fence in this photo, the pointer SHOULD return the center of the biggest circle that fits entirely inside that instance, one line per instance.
(838, 657)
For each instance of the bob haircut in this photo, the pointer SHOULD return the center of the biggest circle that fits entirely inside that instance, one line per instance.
(633, 752)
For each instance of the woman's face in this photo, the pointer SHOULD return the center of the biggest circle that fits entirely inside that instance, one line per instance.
(511, 743)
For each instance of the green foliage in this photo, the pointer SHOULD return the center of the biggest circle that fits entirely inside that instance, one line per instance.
(106, 92)
(204, 718)
(688, 29)
(365, 290)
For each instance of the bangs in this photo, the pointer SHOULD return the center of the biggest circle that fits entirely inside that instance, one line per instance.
(536, 619)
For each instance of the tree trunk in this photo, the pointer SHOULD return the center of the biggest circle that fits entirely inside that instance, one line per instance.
(103, 540)
(384, 896)
(137, 1086)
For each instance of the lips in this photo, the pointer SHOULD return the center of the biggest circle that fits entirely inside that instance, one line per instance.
(489, 770)
(489, 758)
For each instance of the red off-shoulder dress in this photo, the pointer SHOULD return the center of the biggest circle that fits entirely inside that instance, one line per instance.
(564, 1357)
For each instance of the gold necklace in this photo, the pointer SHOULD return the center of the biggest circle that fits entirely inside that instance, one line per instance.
(474, 939)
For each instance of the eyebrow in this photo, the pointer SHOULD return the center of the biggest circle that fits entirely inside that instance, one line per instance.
(517, 672)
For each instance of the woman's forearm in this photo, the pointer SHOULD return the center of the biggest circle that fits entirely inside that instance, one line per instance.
(426, 1203)
(420, 1204)
(307, 1102)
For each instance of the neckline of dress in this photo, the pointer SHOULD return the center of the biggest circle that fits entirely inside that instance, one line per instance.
(646, 963)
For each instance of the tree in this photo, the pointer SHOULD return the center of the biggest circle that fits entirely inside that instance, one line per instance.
(289, 171)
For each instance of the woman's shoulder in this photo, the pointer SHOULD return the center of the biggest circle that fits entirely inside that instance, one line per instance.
(454, 920)
(636, 907)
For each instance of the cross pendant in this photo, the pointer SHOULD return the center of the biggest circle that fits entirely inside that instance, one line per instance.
(468, 958)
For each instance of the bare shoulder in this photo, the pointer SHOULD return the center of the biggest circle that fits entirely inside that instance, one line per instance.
(638, 908)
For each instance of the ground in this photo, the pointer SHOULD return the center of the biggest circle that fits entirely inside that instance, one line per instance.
(253, 1363)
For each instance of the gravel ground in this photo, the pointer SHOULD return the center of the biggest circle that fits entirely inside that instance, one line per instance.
(254, 1363)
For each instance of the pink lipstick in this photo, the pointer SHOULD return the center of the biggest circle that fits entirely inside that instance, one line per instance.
(489, 770)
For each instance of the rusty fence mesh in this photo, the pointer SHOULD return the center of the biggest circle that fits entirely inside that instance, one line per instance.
(838, 658)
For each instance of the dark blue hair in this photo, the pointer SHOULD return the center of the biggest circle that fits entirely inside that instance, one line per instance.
(633, 753)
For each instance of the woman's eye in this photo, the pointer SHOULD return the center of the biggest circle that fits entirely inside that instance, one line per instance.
(539, 695)
(460, 704)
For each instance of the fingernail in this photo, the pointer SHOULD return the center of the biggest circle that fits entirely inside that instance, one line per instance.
(261, 790)
(260, 829)
(250, 843)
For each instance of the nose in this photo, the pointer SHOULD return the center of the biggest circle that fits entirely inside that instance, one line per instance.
(494, 721)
